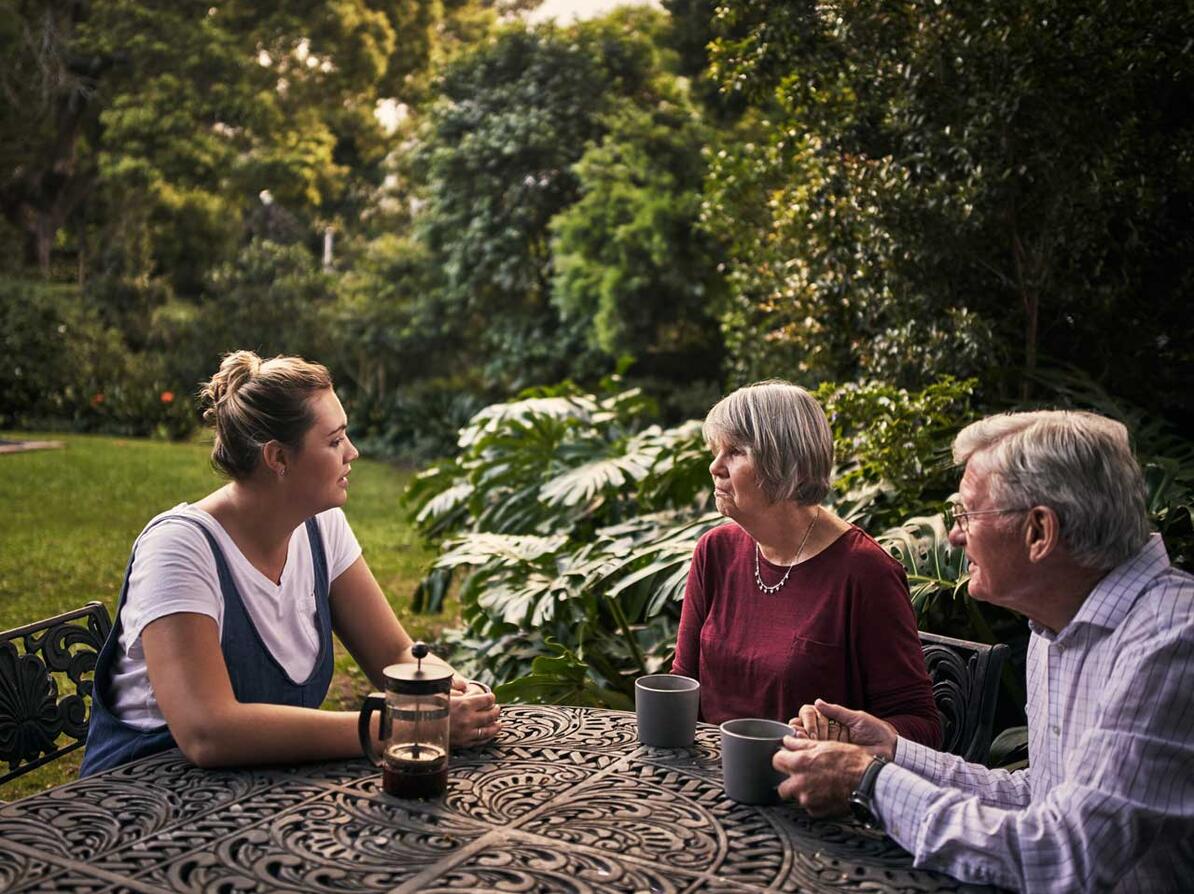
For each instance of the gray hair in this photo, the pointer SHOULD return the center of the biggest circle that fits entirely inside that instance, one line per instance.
(784, 431)
(1078, 464)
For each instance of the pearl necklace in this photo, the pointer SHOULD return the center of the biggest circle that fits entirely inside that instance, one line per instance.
(759, 551)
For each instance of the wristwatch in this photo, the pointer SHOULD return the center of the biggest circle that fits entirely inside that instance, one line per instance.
(861, 799)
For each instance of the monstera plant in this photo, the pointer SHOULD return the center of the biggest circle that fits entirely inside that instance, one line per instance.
(568, 520)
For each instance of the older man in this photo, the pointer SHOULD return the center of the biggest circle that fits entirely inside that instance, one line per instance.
(1053, 521)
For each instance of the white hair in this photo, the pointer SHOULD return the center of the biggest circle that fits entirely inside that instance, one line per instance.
(1078, 464)
(785, 432)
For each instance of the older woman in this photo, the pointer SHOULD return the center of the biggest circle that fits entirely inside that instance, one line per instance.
(790, 603)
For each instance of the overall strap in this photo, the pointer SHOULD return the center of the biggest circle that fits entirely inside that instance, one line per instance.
(323, 583)
(255, 674)
(111, 741)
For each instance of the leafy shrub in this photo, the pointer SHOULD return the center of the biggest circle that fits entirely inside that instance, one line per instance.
(60, 354)
(572, 522)
(73, 370)
(575, 520)
(893, 447)
(144, 402)
(419, 422)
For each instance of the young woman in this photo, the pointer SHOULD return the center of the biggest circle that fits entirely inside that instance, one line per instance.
(223, 637)
(790, 603)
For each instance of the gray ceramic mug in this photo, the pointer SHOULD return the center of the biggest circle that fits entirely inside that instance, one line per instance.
(666, 706)
(747, 747)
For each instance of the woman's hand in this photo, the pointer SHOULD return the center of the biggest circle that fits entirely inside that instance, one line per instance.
(812, 724)
(474, 715)
(825, 721)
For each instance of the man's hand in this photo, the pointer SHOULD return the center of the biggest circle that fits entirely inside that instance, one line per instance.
(821, 775)
(826, 721)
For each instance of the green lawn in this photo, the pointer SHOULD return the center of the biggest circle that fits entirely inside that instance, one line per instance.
(68, 518)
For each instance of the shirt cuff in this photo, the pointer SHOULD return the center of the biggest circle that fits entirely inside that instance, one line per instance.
(901, 800)
(920, 759)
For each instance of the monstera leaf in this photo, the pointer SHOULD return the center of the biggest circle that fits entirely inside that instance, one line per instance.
(496, 417)
(444, 510)
(561, 679)
(935, 568)
(586, 483)
(478, 549)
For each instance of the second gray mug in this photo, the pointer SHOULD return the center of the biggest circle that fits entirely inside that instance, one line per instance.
(746, 750)
(666, 706)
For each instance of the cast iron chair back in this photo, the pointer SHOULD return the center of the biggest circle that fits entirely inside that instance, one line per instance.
(965, 679)
(34, 661)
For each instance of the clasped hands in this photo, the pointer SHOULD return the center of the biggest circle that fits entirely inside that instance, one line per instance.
(826, 755)
(474, 713)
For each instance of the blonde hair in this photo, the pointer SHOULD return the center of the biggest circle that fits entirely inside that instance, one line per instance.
(251, 401)
(785, 432)
(1078, 464)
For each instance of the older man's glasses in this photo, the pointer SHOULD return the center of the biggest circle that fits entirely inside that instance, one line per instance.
(955, 514)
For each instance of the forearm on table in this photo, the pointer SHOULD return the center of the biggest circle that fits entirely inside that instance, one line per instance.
(999, 788)
(242, 734)
(946, 829)
(1077, 838)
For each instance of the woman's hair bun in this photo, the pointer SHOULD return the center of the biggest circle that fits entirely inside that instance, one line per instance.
(236, 369)
(251, 401)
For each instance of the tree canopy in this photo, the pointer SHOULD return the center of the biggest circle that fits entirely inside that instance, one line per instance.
(443, 200)
(960, 187)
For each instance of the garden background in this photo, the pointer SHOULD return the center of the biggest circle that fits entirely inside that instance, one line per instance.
(532, 254)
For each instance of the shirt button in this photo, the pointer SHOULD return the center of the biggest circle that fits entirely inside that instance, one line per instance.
(1056, 730)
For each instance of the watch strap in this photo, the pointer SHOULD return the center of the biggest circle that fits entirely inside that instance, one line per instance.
(862, 798)
(866, 785)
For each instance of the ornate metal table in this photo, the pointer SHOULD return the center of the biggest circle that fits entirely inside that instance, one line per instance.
(565, 800)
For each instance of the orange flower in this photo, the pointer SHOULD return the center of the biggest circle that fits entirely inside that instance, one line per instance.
(97, 398)
(167, 397)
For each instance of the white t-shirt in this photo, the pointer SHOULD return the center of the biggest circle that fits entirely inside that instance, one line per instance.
(175, 571)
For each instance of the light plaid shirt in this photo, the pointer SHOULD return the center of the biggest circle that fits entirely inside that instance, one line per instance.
(1108, 800)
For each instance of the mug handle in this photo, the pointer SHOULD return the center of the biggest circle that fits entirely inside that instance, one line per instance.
(373, 702)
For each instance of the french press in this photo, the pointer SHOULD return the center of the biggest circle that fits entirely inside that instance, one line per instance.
(414, 727)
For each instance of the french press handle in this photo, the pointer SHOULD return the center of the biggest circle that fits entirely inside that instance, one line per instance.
(373, 702)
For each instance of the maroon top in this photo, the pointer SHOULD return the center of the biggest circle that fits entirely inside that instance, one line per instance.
(841, 629)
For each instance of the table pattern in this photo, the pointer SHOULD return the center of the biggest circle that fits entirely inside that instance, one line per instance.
(565, 800)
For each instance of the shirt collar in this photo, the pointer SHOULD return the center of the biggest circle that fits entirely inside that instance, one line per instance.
(1113, 597)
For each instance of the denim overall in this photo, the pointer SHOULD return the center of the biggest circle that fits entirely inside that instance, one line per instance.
(255, 673)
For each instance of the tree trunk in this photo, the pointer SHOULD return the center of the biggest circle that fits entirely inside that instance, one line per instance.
(1032, 313)
(1027, 286)
(43, 234)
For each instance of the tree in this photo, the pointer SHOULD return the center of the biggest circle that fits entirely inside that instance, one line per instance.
(173, 116)
(629, 257)
(915, 176)
(46, 104)
(496, 162)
